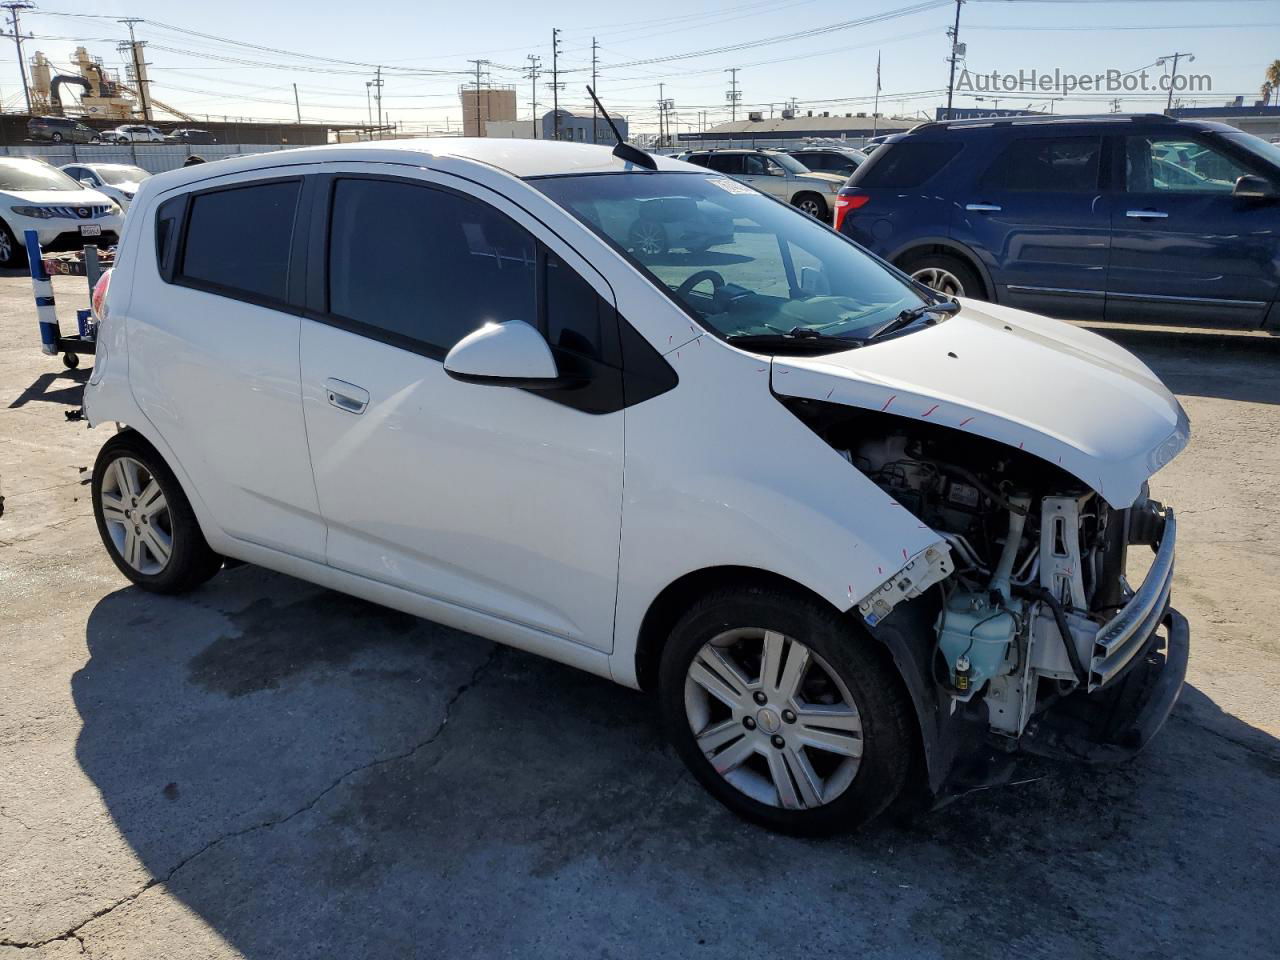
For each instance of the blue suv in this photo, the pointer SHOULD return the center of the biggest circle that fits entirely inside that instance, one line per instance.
(1107, 217)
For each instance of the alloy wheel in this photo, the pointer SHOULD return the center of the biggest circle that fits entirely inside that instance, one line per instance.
(811, 207)
(773, 718)
(648, 238)
(944, 281)
(137, 515)
(6, 246)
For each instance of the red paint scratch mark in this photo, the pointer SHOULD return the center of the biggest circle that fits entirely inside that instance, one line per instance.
(1059, 459)
(904, 554)
(670, 338)
(880, 570)
(830, 392)
(930, 410)
(1019, 444)
(965, 420)
(887, 402)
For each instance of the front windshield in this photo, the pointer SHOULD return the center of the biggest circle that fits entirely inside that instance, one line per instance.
(736, 260)
(121, 174)
(33, 175)
(1257, 146)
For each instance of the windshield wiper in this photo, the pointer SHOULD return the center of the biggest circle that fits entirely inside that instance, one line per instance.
(911, 316)
(798, 338)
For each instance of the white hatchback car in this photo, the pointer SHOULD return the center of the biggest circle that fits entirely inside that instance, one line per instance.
(864, 543)
(64, 214)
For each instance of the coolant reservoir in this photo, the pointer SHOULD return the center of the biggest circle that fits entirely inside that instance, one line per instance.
(969, 626)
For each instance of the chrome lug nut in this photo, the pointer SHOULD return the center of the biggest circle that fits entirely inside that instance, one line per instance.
(788, 716)
(779, 742)
(749, 723)
(760, 698)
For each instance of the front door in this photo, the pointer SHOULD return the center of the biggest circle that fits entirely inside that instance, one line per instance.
(1183, 248)
(495, 499)
(1039, 213)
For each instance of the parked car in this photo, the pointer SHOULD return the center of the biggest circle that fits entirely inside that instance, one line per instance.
(190, 135)
(1115, 217)
(659, 224)
(65, 214)
(445, 422)
(838, 160)
(61, 130)
(135, 133)
(119, 181)
(776, 174)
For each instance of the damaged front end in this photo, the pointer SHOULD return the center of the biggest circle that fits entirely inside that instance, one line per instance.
(1022, 633)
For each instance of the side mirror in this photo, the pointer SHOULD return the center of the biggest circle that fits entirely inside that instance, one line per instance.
(1254, 188)
(86, 182)
(511, 354)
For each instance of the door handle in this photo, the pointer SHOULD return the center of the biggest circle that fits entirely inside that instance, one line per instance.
(1147, 214)
(983, 207)
(346, 396)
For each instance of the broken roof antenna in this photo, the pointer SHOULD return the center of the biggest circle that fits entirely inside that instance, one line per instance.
(624, 150)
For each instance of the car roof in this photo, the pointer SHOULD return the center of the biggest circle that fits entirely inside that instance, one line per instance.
(519, 158)
(984, 124)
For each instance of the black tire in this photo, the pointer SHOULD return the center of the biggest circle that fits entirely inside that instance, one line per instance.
(56, 138)
(970, 283)
(71, 360)
(191, 562)
(813, 204)
(889, 743)
(17, 254)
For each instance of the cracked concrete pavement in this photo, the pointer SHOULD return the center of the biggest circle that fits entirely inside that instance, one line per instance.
(265, 768)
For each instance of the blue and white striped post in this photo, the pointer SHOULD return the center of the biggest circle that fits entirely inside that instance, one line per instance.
(46, 312)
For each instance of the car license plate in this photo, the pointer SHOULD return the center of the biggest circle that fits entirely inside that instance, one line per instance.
(90, 230)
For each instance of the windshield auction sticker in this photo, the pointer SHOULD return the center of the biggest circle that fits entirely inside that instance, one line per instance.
(730, 186)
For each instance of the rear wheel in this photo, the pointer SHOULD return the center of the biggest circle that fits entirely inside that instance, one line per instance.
(145, 520)
(785, 712)
(812, 204)
(648, 238)
(57, 137)
(945, 273)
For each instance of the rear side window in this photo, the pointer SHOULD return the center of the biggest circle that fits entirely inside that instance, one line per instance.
(238, 240)
(698, 158)
(425, 267)
(726, 163)
(1046, 164)
(907, 163)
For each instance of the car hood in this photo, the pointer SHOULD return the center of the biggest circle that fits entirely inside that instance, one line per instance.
(824, 177)
(1061, 393)
(58, 198)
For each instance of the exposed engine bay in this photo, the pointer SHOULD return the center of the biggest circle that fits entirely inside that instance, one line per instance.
(1035, 572)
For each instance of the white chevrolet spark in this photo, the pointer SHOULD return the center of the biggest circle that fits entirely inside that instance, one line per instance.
(866, 545)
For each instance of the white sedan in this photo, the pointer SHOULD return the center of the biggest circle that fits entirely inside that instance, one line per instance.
(119, 181)
(134, 133)
(65, 214)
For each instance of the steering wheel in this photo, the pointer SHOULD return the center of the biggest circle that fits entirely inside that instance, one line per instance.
(693, 280)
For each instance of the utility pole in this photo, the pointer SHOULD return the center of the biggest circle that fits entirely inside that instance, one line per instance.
(954, 34)
(555, 81)
(734, 94)
(479, 123)
(875, 110)
(368, 102)
(13, 7)
(377, 97)
(595, 132)
(138, 73)
(534, 71)
(662, 114)
(297, 104)
(1175, 57)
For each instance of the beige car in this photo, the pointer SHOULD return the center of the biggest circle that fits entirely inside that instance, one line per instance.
(776, 174)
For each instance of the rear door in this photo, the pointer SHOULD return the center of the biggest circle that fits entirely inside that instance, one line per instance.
(213, 349)
(1039, 214)
(498, 500)
(1182, 246)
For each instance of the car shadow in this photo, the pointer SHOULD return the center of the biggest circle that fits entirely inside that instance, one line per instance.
(61, 386)
(316, 775)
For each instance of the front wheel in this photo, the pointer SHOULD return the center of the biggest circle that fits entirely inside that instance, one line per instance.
(785, 712)
(949, 275)
(145, 520)
(56, 138)
(11, 255)
(812, 204)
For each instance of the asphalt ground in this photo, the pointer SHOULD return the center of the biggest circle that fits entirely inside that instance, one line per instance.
(266, 769)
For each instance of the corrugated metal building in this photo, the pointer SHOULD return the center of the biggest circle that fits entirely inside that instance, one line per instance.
(791, 129)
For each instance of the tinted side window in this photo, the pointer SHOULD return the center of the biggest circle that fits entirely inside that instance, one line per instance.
(425, 267)
(698, 158)
(574, 311)
(1047, 164)
(907, 163)
(725, 163)
(238, 239)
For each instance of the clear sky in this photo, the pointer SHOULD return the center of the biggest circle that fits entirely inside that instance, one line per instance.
(820, 52)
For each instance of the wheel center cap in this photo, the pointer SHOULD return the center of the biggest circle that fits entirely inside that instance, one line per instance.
(768, 721)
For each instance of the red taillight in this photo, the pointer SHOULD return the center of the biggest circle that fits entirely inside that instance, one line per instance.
(98, 302)
(848, 200)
